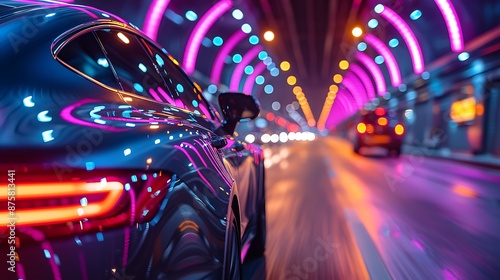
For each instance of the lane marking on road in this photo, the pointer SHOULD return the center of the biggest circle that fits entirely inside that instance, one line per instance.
(373, 261)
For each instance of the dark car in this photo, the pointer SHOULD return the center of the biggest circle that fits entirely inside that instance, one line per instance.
(378, 128)
(113, 165)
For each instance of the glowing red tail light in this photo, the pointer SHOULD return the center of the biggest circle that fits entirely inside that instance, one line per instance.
(59, 202)
(361, 127)
(380, 112)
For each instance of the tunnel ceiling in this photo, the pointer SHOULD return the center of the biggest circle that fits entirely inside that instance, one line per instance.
(313, 36)
(310, 34)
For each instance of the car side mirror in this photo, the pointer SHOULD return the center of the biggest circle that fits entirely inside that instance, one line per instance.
(237, 107)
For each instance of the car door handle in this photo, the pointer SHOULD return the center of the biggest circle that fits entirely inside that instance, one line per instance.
(218, 142)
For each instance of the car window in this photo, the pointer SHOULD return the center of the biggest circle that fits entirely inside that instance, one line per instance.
(135, 70)
(181, 89)
(86, 56)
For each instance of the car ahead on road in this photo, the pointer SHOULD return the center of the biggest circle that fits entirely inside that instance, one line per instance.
(114, 166)
(378, 128)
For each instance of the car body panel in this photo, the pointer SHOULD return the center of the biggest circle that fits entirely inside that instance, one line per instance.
(59, 127)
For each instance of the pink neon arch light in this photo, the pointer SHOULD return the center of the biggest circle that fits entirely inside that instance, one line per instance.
(374, 71)
(384, 51)
(154, 16)
(250, 81)
(224, 51)
(409, 37)
(238, 70)
(199, 31)
(452, 23)
(353, 84)
(336, 114)
(342, 97)
(347, 98)
(365, 80)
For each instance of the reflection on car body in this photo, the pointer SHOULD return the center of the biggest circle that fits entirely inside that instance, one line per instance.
(118, 165)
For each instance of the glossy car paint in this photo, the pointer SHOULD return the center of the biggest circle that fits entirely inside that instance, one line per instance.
(171, 219)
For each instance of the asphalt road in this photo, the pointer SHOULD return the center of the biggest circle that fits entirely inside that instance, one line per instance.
(332, 214)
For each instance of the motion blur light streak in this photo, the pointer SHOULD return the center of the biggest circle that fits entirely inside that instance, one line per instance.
(392, 64)
(452, 23)
(374, 71)
(408, 36)
(239, 69)
(154, 17)
(464, 191)
(224, 51)
(199, 32)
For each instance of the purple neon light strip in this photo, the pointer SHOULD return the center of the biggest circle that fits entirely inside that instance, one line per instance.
(165, 95)
(354, 86)
(452, 23)
(240, 68)
(347, 99)
(199, 32)
(67, 116)
(358, 85)
(343, 99)
(353, 100)
(185, 152)
(250, 81)
(224, 51)
(224, 175)
(337, 110)
(155, 95)
(411, 41)
(365, 80)
(390, 61)
(55, 268)
(374, 71)
(154, 16)
(337, 113)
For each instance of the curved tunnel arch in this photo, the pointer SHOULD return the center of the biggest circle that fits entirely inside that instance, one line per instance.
(383, 50)
(154, 16)
(225, 50)
(354, 86)
(365, 80)
(250, 81)
(199, 31)
(452, 24)
(408, 36)
(240, 67)
(374, 70)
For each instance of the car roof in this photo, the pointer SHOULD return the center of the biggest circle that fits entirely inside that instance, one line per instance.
(11, 10)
